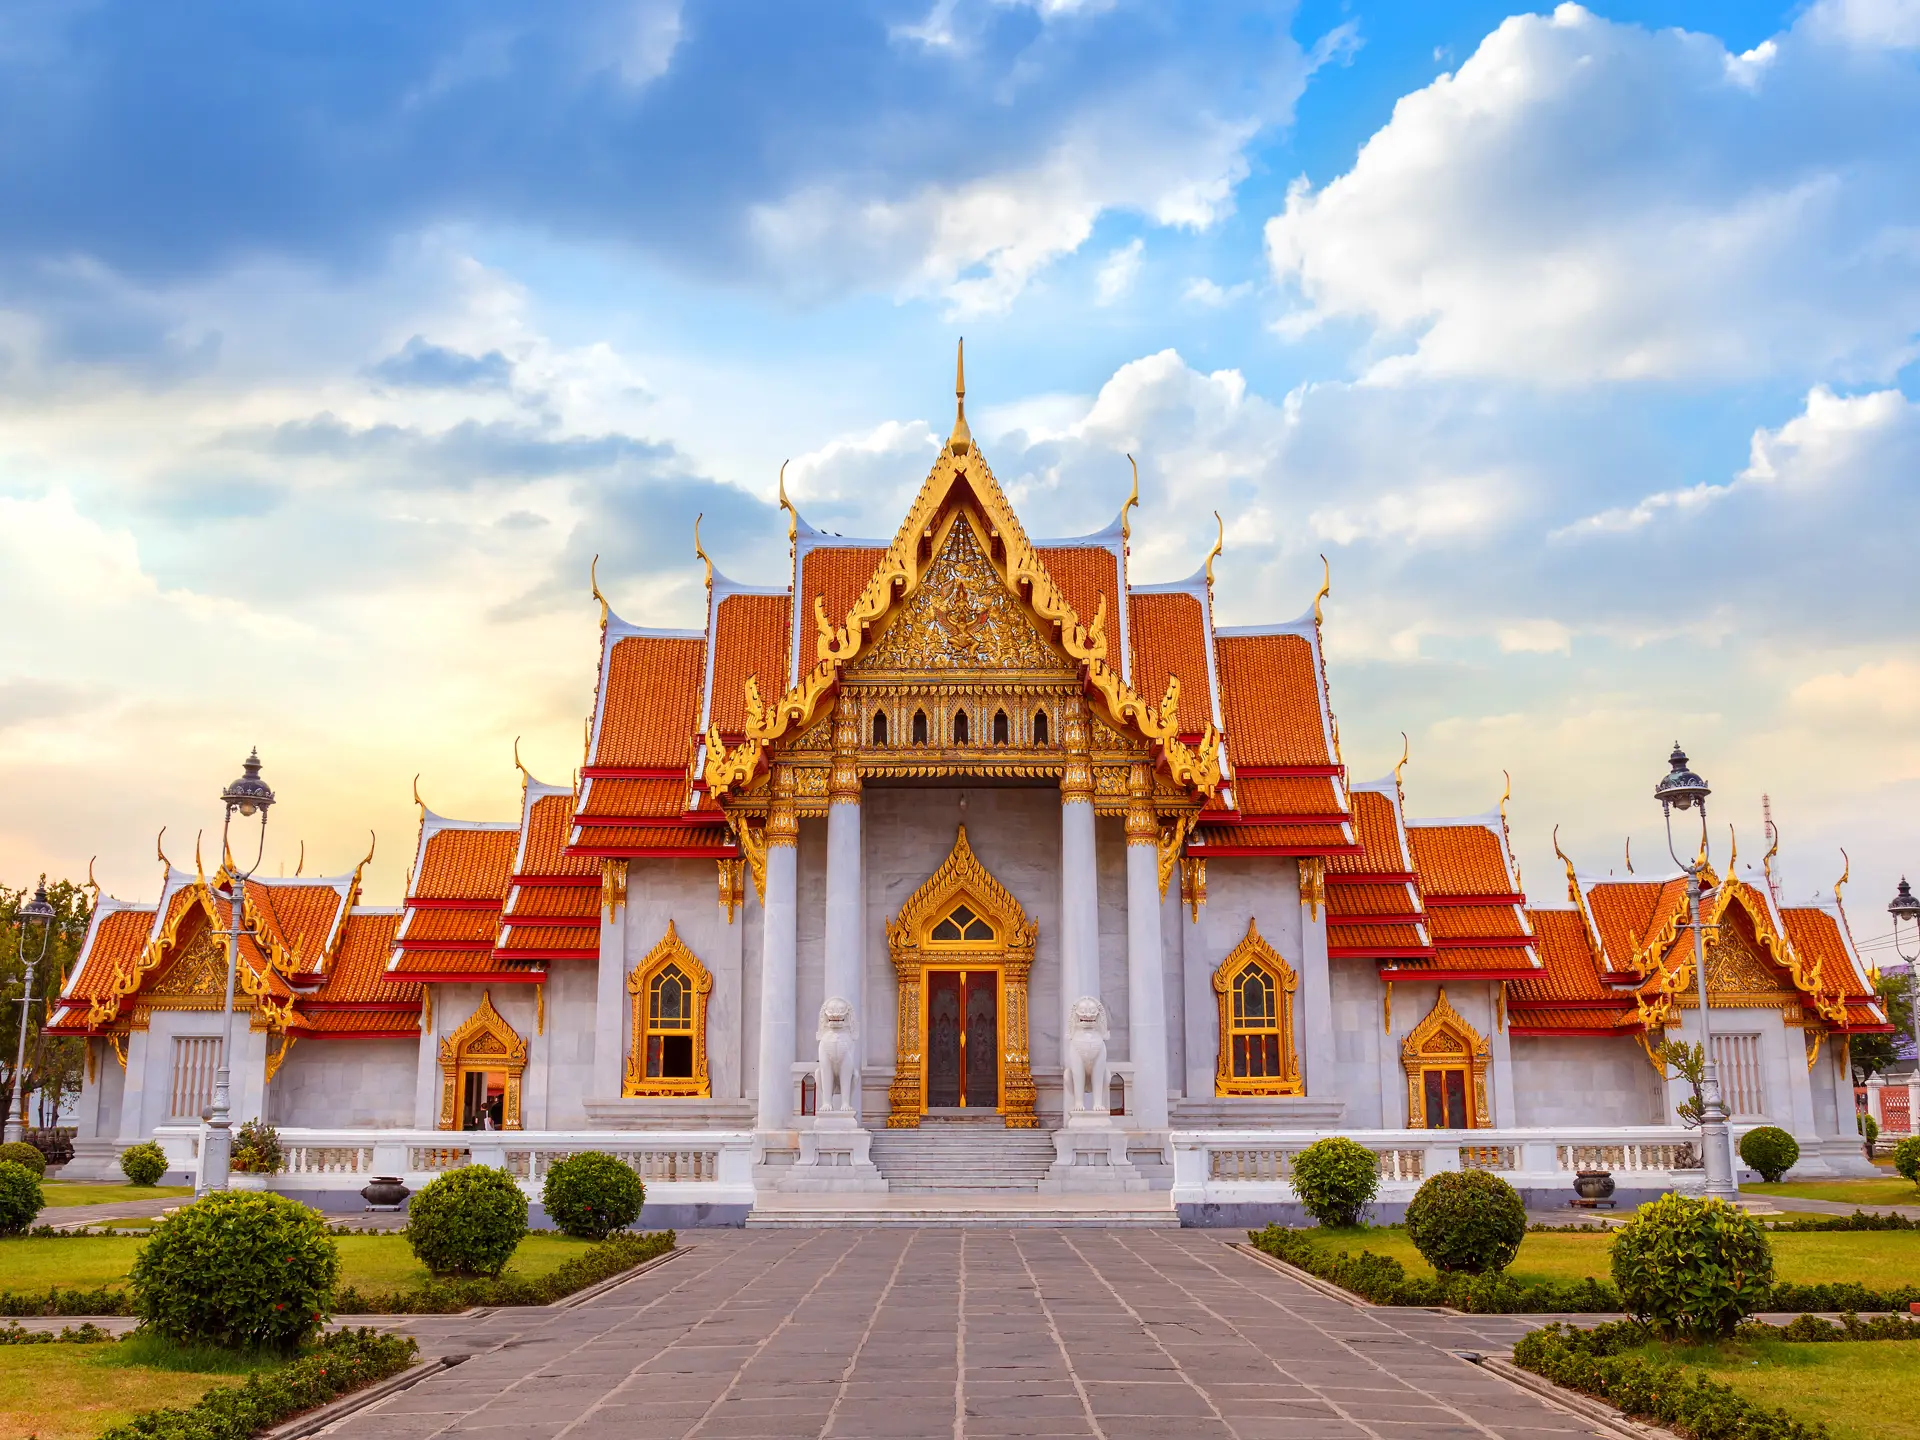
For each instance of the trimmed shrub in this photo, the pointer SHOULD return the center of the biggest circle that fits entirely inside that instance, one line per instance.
(1692, 1268)
(1869, 1132)
(143, 1164)
(22, 1153)
(1467, 1221)
(21, 1198)
(1906, 1159)
(591, 1195)
(1770, 1150)
(256, 1149)
(239, 1269)
(1336, 1179)
(467, 1222)
(1384, 1280)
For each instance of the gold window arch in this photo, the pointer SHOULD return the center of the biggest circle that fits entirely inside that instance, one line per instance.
(483, 1045)
(1254, 987)
(1446, 1063)
(670, 989)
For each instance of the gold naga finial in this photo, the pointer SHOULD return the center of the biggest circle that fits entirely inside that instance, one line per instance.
(1573, 881)
(526, 775)
(373, 842)
(1733, 841)
(1846, 872)
(199, 869)
(1629, 854)
(793, 515)
(159, 848)
(1126, 529)
(704, 558)
(1219, 544)
(418, 801)
(302, 864)
(593, 583)
(1326, 589)
(1406, 749)
(92, 884)
(962, 437)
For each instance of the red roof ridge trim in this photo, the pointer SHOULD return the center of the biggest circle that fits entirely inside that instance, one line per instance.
(1479, 901)
(1289, 772)
(632, 772)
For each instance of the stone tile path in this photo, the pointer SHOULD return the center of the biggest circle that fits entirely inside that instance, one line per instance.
(911, 1333)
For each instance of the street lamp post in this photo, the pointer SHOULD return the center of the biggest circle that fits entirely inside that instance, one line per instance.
(37, 912)
(250, 796)
(1906, 906)
(1681, 789)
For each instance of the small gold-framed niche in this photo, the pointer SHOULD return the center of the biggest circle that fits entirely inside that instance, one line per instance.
(1446, 1062)
(670, 990)
(1255, 987)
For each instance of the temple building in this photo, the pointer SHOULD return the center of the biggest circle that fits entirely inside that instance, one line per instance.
(963, 865)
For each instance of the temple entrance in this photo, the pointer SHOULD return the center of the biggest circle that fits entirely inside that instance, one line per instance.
(963, 1039)
(483, 1099)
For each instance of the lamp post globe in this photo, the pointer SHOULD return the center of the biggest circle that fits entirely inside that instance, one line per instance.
(1680, 788)
(248, 796)
(36, 915)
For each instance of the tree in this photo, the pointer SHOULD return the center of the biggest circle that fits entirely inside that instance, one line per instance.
(54, 1063)
(1688, 1063)
(1871, 1054)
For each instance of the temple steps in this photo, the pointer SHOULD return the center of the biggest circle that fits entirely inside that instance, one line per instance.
(963, 1154)
(973, 1211)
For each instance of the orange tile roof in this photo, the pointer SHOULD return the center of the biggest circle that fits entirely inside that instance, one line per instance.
(1816, 936)
(1365, 941)
(1570, 972)
(546, 902)
(431, 927)
(1459, 860)
(1626, 914)
(575, 941)
(1269, 839)
(628, 799)
(1866, 1018)
(1270, 700)
(300, 917)
(115, 943)
(357, 1024)
(1378, 831)
(1084, 573)
(1169, 636)
(752, 636)
(549, 819)
(358, 974)
(465, 864)
(839, 573)
(1287, 795)
(1474, 922)
(701, 841)
(652, 701)
(1506, 960)
(1611, 1022)
(1370, 900)
(408, 961)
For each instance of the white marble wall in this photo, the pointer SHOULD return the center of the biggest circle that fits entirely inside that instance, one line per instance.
(328, 1084)
(566, 1050)
(1357, 1040)
(687, 893)
(1586, 1080)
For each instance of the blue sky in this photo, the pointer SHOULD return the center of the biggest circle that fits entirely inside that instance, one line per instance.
(336, 340)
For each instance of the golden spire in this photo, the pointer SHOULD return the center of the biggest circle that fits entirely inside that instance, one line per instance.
(1326, 589)
(1219, 544)
(593, 582)
(962, 438)
(704, 559)
(1846, 872)
(302, 865)
(793, 515)
(1126, 530)
(526, 775)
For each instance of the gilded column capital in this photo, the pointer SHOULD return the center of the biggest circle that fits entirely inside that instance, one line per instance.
(1193, 884)
(1076, 776)
(613, 887)
(1313, 884)
(783, 825)
(843, 784)
(1143, 827)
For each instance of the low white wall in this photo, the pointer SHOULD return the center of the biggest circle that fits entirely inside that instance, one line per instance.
(344, 1082)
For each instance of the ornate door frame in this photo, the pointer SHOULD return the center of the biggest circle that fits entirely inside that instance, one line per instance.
(961, 878)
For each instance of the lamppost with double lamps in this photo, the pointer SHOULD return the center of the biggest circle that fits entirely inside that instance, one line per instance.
(36, 912)
(1906, 906)
(1681, 789)
(249, 796)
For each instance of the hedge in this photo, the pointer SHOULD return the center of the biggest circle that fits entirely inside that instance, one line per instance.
(17, 1334)
(1858, 1220)
(1848, 1327)
(342, 1362)
(1590, 1361)
(443, 1297)
(1384, 1281)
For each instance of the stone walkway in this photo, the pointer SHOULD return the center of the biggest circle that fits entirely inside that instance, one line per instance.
(910, 1333)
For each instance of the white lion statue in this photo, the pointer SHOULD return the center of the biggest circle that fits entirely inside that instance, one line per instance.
(837, 1080)
(1086, 1087)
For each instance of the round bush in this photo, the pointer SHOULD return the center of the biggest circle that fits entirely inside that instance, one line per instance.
(143, 1164)
(22, 1153)
(238, 1269)
(1906, 1158)
(1770, 1150)
(467, 1222)
(1691, 1268)
(1336, 1179)
(590, 1195)
(20, 1197)
(1869, 1132)
(1467, 1220)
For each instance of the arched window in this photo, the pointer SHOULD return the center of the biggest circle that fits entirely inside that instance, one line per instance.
(879, 727)
(962, 925)
(1039, 727)
(919, 727)
(962, 731)
(1000, 727)
(1255, 990)
(669, 989)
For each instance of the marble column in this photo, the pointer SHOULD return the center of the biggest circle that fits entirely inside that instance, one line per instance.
(1500, 1048)
(778, 959)
(1146, 993)
(611, 1010)
(846, 928)
(1203, 1010)
(1079, 879)
(1314, 1023)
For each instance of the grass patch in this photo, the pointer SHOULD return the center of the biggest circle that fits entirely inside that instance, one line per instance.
(1880, 1260)
(1888, 1191)
(73, 1392)
(1862, 1388)
(80, 1192)
(367, 1262)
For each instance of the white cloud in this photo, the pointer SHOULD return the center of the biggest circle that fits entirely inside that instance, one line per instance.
(1894, 24)
(1202, 291)
(1118, 271)
(1588, 201)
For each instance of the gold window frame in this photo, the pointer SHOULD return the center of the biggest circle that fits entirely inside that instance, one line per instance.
(484, 1041)
(671, 950)
(1253, 949)
(1443, 1040)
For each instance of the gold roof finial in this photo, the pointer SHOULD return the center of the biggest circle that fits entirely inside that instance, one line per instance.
(159, 848)
(198, 868)
(1126, 530)
(962, 437)
(1219, 544)
(704, 558)
(416, 794)
(1629, 854)
(1326, 589)
(1573, 880)
(1406, 749)
(1505, 795)
(1733, 839)
(526, 775)
(1846, 872)
(93, 884)
(303, 860)
(793, 515)
(593, 582)
(373, 842)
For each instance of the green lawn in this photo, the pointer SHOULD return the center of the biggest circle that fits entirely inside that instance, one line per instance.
(1878, 1258)
(371, 1262)
(73, 1392)
(1863, 1388)
(1889, 1191)
(78, 1192)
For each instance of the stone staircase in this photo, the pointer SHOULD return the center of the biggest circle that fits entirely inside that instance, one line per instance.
(963, 1151)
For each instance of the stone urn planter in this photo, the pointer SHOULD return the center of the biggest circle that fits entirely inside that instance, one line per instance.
(385, 1192)
(1593, 1186)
